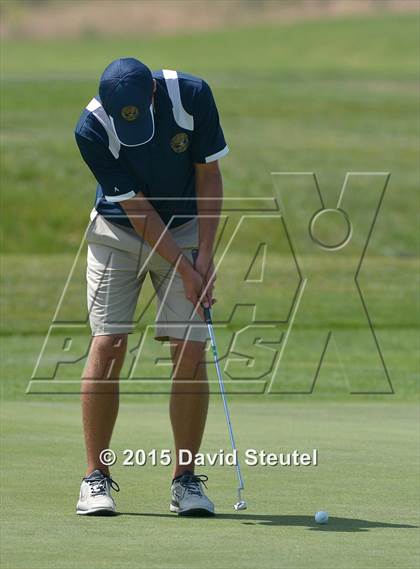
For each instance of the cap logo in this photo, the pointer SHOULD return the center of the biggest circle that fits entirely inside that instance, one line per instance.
(129, 113)
(180, 142)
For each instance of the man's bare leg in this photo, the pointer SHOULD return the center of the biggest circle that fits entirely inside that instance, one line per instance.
(189, 398)
(100, 395)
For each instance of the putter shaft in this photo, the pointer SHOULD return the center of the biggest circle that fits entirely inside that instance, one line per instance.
(209, 322)
(223, 395)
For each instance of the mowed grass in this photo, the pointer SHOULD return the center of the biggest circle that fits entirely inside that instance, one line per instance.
(371, 500)
(328, 97)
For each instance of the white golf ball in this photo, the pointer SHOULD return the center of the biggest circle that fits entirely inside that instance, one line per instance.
(321, 517)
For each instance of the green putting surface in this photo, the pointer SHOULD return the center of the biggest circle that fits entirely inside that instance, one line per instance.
(366, 479)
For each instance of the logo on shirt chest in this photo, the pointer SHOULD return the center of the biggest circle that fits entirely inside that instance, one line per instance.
(180, 142)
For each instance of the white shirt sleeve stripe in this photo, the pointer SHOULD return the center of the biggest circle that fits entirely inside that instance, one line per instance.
(217, 155)
(120, 198)
(182, 118)
(93, 105)
(93, 214)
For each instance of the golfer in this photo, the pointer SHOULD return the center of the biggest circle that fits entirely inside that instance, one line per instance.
(152, 140)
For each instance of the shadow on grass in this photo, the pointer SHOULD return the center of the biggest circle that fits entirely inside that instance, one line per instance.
(308, 522)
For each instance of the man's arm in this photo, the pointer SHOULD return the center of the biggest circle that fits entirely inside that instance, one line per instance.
(148, 224)
(209, 192)
(118, 186)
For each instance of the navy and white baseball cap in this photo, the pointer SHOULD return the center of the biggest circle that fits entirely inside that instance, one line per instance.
(126, 92)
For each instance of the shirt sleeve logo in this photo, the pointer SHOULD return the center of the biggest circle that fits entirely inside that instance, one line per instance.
(180, 142)
(129, 113)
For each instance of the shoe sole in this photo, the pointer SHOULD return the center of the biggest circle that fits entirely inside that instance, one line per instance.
(98, 512)
(192, 512)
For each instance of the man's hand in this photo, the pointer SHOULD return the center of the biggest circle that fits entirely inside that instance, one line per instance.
(204, 265)
(193, 284)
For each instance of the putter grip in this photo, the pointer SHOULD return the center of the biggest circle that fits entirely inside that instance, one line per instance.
(207, 311)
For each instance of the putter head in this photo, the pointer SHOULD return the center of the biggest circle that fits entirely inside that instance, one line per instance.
(241, 505)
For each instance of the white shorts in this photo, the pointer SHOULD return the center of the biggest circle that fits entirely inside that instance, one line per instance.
(117, 264)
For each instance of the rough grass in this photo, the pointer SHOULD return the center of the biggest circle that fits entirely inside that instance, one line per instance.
(328, 97)
(33, 287)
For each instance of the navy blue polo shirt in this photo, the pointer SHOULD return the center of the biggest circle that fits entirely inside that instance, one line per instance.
(187, 131)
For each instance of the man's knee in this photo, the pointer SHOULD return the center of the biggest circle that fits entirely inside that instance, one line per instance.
(106, 357)
(112, 343)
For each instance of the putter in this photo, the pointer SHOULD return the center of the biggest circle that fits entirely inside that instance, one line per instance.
(240, 504)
